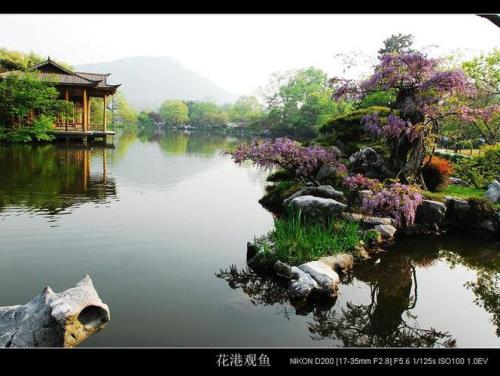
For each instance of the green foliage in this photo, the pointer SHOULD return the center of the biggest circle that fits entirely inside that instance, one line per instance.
(348, 133)
(21, 96)
(300, 101)
(144, 120)
(384, 98)
(206, 114)
(174, 112)
(245, 110)
(15, 60)
(296, 242)
(277, 193)
(120, 110)
(397, 43)
(480, 170)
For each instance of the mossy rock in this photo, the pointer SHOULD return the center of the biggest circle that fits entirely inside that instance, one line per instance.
(348, 133)
(277, 193)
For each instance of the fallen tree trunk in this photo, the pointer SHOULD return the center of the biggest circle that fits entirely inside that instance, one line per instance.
(54, 319)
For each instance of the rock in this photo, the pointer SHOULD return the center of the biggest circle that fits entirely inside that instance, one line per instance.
(493, 192)
(387, 231)
(368, 162)
(457, 210)
(282, 269)
(368, 222)
(302, 284)
(339, 263)
(324, 191)
(487, 226)
(54, 319)
(326, 278)
(257, 252)
(327, 175)
(430, 213)
(456, 181)
(317, 207)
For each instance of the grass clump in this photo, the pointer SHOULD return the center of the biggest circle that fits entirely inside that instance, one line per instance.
(297, 241)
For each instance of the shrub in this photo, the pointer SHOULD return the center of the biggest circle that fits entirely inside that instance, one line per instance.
(436, 172)
(482, 169)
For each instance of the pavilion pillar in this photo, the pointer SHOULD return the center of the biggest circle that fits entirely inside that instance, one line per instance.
(85, 111)
(66, 98)
(88, 113)
(104, 113)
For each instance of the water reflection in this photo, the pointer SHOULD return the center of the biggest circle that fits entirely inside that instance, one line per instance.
(50, 179)
(390, 283)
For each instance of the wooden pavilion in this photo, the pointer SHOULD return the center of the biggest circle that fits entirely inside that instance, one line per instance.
(78, 88)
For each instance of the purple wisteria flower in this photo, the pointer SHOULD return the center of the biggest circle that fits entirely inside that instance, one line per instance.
(284, 153)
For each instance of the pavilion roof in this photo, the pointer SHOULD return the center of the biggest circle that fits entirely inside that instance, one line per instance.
(54, 72)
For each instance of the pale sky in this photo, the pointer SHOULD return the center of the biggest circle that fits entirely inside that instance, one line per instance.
(239, 52)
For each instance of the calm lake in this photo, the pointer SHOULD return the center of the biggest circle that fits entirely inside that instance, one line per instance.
(161, 222)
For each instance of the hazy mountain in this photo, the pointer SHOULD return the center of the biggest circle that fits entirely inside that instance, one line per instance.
(148, 81)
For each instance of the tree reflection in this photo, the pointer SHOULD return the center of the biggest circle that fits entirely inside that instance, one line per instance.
(486, 288)
(386, 320)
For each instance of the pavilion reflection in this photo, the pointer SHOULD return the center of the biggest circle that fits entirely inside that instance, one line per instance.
(50, 179)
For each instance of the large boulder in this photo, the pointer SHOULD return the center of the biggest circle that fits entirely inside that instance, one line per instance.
(325, 191)
(493, 192)
(302, 284)
(54, 319)
(317, 207)
(457, 211)
(326, 278)
(327, 175)
(368, 162)
(430, 214)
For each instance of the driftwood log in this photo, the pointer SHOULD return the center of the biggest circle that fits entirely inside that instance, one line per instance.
(52, 319)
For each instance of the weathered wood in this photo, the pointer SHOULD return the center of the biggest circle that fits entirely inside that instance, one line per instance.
(52, 319)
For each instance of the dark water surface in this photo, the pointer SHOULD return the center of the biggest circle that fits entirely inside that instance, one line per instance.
(161, 222)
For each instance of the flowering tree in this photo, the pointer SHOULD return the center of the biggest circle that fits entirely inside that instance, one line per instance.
(424, 95)
(287, 154)
(396, 200)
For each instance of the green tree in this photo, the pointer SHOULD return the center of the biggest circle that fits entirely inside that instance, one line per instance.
(174, 112)
(144, 120)
(120, 110)
(28, 107)
(246, 109)
(15, 60)
(298, 101)
(485, 105)
(206, 114)
(397, 43)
